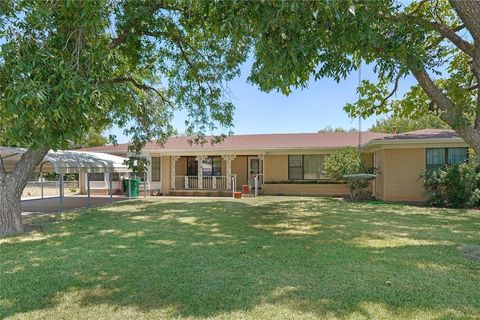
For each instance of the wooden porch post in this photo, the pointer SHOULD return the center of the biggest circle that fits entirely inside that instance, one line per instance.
(228, 159)
(173, 160)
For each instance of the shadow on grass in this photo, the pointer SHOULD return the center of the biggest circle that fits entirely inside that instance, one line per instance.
(210, 258)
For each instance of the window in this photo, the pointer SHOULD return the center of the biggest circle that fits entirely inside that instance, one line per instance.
(437, 157)
(295, 167)
(306, 167)
(211, 166)
(156, 167)
(192, 166)
(457, 155)
(217, 166)
(313, 166)
(97, 177)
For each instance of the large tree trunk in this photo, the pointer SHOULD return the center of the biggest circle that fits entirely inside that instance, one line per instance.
(11, 188)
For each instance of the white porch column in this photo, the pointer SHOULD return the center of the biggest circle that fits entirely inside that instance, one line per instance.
(228, 159)
(200, 170)
(262, 160)
(173, 160)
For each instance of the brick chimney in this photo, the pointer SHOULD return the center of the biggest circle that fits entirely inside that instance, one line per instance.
(394, 130)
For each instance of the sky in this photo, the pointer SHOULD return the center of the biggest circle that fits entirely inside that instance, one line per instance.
(308, 110)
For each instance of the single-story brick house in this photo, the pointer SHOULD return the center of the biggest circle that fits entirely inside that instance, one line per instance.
(290, 164)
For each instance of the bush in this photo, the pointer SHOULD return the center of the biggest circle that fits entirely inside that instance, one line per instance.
(456, 186)
(347, 161)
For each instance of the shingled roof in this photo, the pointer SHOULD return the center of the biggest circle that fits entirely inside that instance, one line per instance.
(283, 141)
(422, 134)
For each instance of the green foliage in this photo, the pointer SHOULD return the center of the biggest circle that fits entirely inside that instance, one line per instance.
(328, 129)
(346, 161)
(297, 41)
(408, 124)
(455, 186)
(68, 69)
(92, 139)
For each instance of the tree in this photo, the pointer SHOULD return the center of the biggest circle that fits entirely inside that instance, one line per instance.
(408, 124)
(436, 42)
(92, 139)
(71, 68)
(347, 161)
(337, 129)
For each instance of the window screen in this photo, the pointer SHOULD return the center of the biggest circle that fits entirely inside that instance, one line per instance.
(156, 167)
(295, 167)
(192, 166)
(437, 157)
(457, 155)
(313, 166)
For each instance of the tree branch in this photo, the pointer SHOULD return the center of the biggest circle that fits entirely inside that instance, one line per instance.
(440, 39)
(441, 100)
(451, 35)
(444, 30)
(122, 36)
(395, 88)
(139, 86)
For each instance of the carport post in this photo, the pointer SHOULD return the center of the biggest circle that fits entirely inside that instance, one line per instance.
(88, 189)
(144, 184)
(110, 185)
(61, 191)
(41, 183)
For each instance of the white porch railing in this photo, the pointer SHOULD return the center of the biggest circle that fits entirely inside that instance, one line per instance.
(208, 182)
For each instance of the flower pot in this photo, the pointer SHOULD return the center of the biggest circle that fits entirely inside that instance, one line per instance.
(237, 195)
(245, 188)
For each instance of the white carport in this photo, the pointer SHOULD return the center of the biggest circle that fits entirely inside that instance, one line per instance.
(65, 162)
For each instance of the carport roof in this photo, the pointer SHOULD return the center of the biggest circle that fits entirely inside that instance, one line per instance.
(69, 161)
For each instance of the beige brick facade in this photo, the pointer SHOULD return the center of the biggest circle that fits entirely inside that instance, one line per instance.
(400, 174)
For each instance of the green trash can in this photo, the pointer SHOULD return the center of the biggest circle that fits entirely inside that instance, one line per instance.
(134, 184)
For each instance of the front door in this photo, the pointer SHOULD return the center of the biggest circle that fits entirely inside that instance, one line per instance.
(255, 169)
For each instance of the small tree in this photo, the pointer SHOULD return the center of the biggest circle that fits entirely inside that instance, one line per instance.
(344, 162)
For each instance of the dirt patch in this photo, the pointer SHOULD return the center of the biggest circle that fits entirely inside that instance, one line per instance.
(471, 251)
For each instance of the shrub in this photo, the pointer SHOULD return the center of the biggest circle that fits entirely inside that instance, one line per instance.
(455, 186)
(347, 161)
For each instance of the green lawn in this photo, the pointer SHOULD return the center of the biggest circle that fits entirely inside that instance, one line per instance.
(271, 257)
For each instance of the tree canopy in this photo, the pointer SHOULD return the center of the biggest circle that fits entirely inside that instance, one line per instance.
(436, 42)
(70, 68)
(408, 124)
(337, 129)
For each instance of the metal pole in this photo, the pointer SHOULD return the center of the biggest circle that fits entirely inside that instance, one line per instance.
(88, 190)
(129, 186)
(144, 184)
(110, 177)
(41, 183)
(61, 191)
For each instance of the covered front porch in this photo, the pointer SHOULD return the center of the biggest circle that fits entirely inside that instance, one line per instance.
(207, 173)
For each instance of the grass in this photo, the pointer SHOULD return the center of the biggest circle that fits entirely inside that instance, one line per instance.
(265, 258)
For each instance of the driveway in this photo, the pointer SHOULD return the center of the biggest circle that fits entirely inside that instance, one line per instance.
(52, 204)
